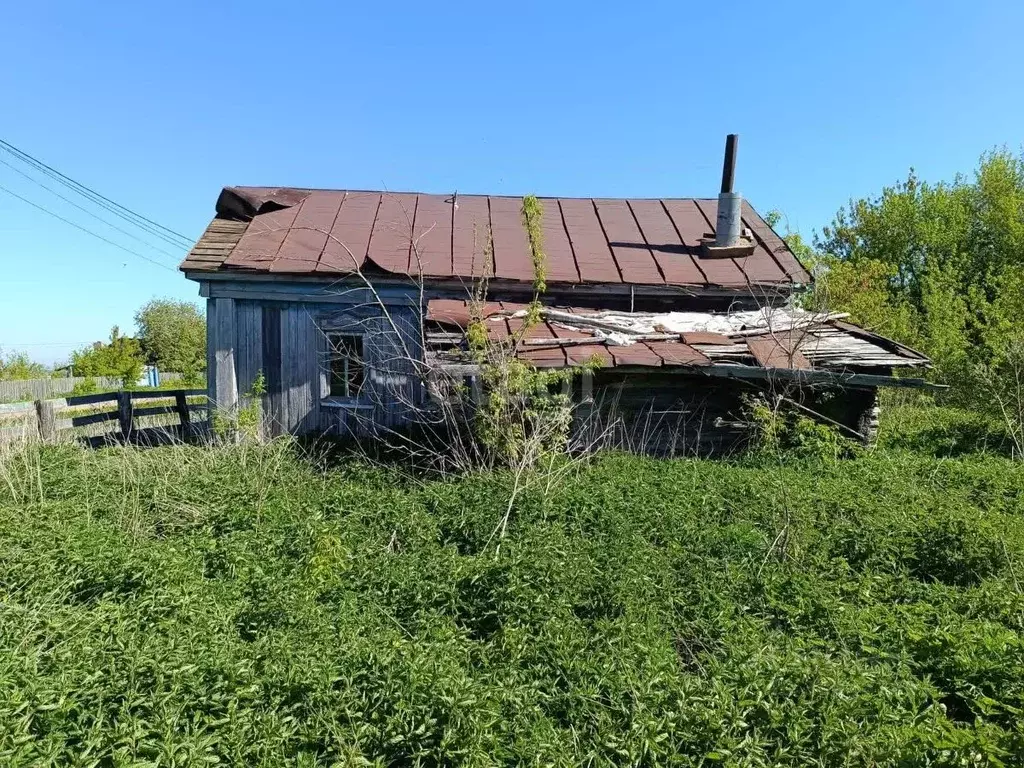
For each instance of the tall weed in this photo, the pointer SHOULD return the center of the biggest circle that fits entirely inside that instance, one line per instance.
(242, 605)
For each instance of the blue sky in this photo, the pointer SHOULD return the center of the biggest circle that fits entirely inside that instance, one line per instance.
(158, 106)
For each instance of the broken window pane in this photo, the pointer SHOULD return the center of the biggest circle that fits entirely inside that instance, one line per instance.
(346, 351)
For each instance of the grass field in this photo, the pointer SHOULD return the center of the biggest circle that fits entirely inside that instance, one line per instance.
(243, 606)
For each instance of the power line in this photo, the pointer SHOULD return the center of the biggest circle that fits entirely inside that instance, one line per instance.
(137, 219)
(86, 210)
(87, 231)
(96, 198)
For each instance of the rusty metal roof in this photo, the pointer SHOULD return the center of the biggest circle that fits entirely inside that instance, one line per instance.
(567, 336)
(330, 232)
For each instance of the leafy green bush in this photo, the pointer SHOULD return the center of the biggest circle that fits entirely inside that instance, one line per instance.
(121, 357)
(237, 605)
(86, 386)
(783, 429)
(18, 366)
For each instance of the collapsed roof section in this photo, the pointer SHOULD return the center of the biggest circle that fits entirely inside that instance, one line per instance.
(783, 343)
(327, 233)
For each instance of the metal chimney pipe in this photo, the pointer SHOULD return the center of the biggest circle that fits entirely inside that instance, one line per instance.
(730, 204)
(729, 164)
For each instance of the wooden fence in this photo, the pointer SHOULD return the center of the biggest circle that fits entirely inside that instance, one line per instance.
(28, 390)
(119, 418)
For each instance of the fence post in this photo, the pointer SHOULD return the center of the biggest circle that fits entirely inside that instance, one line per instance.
(124, 413)
(186, 423)
(46, 412)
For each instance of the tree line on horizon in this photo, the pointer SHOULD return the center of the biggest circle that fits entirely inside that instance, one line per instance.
(170, 334)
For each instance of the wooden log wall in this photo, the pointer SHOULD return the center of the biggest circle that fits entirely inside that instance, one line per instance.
(663, 414)
(672, 414)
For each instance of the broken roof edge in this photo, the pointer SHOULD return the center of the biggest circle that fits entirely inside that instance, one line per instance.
(797, 376)
(759, 344)
(817, 376)
(244, 203)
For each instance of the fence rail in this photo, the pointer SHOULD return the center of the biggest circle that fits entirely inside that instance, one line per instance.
(49, 419)
(29, 390)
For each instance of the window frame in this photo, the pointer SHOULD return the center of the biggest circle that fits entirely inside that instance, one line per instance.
(334, 354)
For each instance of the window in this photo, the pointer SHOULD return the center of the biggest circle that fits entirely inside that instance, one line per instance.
(346, 353)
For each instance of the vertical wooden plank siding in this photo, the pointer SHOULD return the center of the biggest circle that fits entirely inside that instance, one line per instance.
(249, 349)
(299, 367)
(225, 338)
(271, 336)
(321, 380)
(287, 343)
(399, 391)
(211, 349)
(390, 346)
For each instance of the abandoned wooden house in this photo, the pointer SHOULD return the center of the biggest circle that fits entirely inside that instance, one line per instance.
(347, 304)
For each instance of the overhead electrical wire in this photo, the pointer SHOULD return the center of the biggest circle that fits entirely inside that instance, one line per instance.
(152, 227)
(87, 231)
(17, 345)
(87, 211)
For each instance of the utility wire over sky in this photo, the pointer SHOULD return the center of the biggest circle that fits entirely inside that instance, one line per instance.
(141, 229)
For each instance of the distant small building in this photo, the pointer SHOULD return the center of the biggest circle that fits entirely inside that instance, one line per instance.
(348, 304)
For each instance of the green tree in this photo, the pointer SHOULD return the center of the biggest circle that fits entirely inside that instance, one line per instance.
(120, 357)
(947, 256)
(173, 336)
(859, 287)
(18, 365)
(939, 266)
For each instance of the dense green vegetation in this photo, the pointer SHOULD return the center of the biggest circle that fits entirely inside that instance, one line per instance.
(938, 266)
(185, 606)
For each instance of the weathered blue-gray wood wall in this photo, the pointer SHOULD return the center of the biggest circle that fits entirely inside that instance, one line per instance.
(280, 333)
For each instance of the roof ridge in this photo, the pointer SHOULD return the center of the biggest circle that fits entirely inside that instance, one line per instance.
(270, 187)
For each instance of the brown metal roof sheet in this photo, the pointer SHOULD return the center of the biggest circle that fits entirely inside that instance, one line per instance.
(391, 240)
(770, 241)
(774, 352)
(674, 353)
(582, 354)
(635, 260)
(677, 262)
(642, 242)
(471, 249)
(703, 337)
(431, 251)
(349, 239)
(561, 259)
(594, 257)
(512, 257)
(545, 357)
(457, 313)
(635, 354)
(691, 224)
